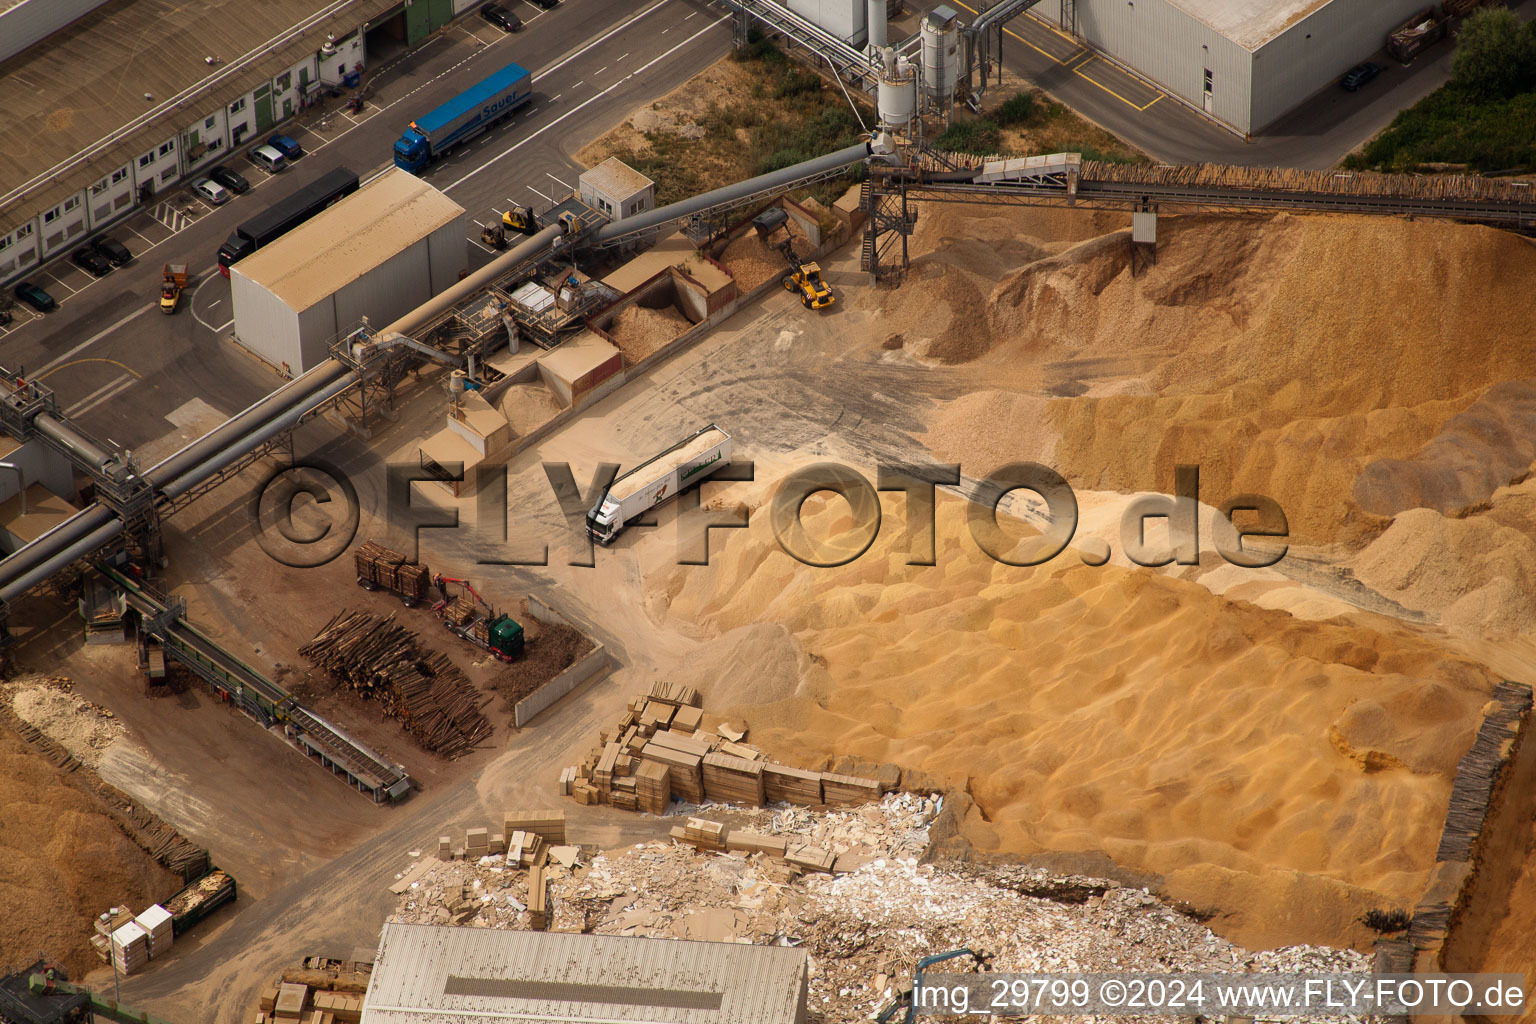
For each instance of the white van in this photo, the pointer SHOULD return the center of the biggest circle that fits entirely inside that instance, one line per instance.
(268, 159)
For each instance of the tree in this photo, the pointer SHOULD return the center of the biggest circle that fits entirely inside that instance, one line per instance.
(1495, 54)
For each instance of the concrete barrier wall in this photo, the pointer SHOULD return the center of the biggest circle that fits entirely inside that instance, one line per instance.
(589, 665)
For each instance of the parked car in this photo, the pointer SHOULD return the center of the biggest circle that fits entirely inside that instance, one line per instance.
(35, 297)
(268, 159)
(236, 183)
(211, 190)
(88, 259)
(499, 15)
(548, 5)
(287, 146)
(116, 252)
(1358, 75)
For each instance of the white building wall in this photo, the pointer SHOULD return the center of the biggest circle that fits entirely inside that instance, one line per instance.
(846, 19)
(31, 21)
(447, 254)
(388, 291)
(19, 250)
(1314, 52)
(108, 199)
(39, 464)
(314, 330)
(63, 225)
(206, 140)
(288, 88)
(1173, 49)
(240, 116)
(349, 53)
(264, 323)
(158, 167)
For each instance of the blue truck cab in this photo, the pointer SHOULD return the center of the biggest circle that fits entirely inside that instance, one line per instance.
(463, 117)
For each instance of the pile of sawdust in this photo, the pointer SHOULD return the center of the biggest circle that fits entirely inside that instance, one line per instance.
(751, 262)
(1263, 351)
(63, 860)
(1476, 575)
(1291, 773)
(68, 719)
(528, 407)
(639, 331)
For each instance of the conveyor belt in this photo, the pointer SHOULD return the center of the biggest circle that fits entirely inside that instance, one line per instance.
(259, 696)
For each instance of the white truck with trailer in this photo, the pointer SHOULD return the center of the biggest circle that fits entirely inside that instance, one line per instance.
(658, 479)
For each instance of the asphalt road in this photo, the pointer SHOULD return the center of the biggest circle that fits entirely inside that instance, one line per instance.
(1317, 134)
(120, 367)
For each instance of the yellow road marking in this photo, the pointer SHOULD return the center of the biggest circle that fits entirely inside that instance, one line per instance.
(91, 359)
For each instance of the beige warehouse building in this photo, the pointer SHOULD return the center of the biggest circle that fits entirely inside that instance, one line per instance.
(379, 253)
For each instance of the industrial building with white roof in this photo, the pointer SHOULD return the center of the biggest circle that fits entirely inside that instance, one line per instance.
(426, 974)
(1246, 63)
(378, 253)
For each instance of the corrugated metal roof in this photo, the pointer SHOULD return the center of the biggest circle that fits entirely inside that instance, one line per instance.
(616, 179)
(426, 974)
(339, 245)
(88, 80)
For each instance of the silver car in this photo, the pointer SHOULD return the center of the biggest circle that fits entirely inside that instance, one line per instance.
(211, 190)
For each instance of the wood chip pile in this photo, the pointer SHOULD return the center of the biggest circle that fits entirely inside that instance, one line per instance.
(659, 749)
(429, 695)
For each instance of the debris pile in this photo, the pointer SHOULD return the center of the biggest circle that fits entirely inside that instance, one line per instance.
(864, 929)
(49, 705)
(422, 688)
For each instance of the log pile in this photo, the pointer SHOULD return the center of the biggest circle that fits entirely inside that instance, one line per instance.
(381, 659)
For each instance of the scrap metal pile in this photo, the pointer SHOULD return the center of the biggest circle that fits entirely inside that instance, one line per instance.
(421, 687)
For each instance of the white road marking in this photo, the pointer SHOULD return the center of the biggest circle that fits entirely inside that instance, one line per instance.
(536, 192)
(556, 96)
(88, 342)
(579, 84)
(114, 382)
(626, 54)
(214, 303)
(601, 70)
(557, 181)
(576, 109)
(82, 410)
(691, 15)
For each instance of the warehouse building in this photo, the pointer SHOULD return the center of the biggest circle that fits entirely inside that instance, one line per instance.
(426, 974)
(1244, 62)
(379, 253)
(109, 131)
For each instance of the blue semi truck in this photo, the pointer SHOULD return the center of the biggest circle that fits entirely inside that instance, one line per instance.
(463, 117)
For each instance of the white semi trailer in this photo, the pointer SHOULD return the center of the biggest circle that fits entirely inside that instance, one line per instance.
(658, 479)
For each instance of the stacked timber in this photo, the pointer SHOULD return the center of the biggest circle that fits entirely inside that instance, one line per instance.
(547, 825)
(783, 784)
(156, 921)
(811, 858)
(460, 610)
(733, 780)
(433, 700)
(538, 896)
(653, 787)
(685, 770)
(687, 719)
(702, 834)
(846, 790)
(675, 693)
(130, 947)
(742, 841)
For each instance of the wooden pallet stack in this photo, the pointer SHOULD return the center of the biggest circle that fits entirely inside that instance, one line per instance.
(547, 825)
(156, 921)
(130, 947)
(734, 780)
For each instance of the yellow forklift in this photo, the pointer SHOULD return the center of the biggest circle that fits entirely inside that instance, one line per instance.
(804, 276)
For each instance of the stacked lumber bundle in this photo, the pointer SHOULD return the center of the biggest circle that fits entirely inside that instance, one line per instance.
(383, 567)
(157, 922)
(130, 947)
(653, 787)
(106, 924)
(675, 694)
(291, 1000)
(733, 780)
(460, 610)
(783, 784)
(477, 843)
(702, 834)
(433, 700)
(660, 749)
(547, 825)
(344, 1009)
(847, 790)
(526, 848)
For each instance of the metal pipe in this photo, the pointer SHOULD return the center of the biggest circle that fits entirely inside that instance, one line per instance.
(70, 530)
(234, 451)
(61, 433)
(79, 549)
(773, 179)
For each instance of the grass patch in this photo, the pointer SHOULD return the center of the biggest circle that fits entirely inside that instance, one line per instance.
(981, 137)
(1456, 125)
(1029, 123)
